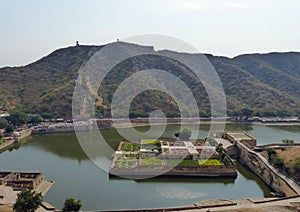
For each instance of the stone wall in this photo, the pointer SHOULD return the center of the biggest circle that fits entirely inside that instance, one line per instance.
(233, 151)
(23, 134)
(199, 171)
(259, 165)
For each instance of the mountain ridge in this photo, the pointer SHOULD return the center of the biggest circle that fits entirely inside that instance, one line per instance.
(268, 84)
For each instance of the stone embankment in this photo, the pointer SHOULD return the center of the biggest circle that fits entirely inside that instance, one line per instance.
(6, 144)
(243, 145)
(270, 175)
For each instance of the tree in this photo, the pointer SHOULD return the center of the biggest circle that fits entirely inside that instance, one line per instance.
(185, 134)
(246, 112)
(35, 119)
(296, 165)
(270, 152)
(46, 115)
(17, 117)
(3, 123)
(28, 201)
(279, 162)
(71, 205)
(9, 128)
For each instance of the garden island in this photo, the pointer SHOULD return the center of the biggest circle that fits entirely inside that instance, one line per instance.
(170, 157)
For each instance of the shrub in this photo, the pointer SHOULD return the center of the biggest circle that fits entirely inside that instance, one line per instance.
(278, 162)
(3, 123)
(288, 141)
(296, 165)
(9, 128)
(270, 152)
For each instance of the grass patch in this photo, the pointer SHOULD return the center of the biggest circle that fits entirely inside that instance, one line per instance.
(151, 162)
(182, 163)
(2, 141)
(149, 141)
(210, 162)
(130, 147)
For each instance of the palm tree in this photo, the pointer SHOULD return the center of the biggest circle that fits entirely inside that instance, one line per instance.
(28, 201)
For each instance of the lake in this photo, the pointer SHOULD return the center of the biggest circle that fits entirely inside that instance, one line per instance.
(62, 159)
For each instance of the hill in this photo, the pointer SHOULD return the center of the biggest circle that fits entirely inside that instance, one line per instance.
(268, 84)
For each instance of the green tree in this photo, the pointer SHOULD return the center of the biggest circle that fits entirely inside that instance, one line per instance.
(185, 134)
(270, 152)
(296, 165)
(279, 162)
(3, 123)
(46, 115)
(71, 205)
(28, 201)
(247, 112)
(9, 128)
(17, 117)
(35, 119)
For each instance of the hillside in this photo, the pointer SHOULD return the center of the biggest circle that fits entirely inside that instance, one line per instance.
(269, 84)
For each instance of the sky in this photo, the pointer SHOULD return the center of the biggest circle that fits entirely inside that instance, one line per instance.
(32, 29)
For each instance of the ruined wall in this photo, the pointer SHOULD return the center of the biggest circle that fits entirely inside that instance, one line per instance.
(268, 174)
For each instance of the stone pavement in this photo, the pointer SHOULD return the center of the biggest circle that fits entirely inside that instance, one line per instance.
(264, 204)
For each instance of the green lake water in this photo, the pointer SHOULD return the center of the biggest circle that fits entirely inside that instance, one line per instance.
(62, 159)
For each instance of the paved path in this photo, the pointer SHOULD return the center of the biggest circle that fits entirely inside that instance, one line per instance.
(44, 187)
(250, 204)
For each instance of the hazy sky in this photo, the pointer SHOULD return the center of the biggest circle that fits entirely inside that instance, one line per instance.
(32, 29)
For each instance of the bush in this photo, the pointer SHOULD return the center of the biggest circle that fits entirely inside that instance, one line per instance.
(3, 123)
(270, 152)
(288, 141)
(219, 148)
(9, 128)
(296, 165)
(278, 162)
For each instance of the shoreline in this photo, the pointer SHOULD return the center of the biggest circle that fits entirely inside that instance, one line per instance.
(145, 124)
(120, 125)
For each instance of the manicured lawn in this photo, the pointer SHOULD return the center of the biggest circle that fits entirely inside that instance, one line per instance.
(151, 162)
(149, 141)
(130, 147)
(209, 162)
(182, 163)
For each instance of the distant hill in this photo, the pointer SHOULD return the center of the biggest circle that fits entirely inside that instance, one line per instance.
(267, 84)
